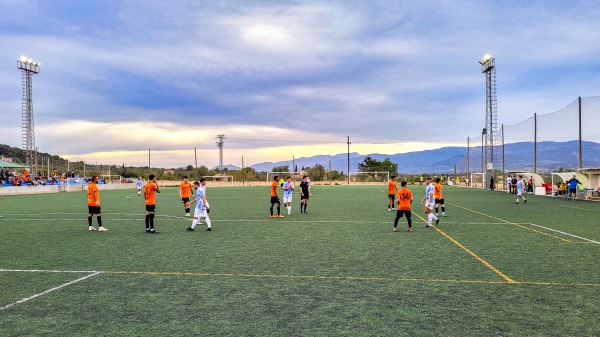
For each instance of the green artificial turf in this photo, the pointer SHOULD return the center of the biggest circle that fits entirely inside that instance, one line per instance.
(491, 268)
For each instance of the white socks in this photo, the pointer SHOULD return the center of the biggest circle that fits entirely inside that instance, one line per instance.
(289, 208)
(207, 222)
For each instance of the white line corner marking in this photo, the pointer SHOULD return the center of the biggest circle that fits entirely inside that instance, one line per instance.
(571, 235)
(49, 291)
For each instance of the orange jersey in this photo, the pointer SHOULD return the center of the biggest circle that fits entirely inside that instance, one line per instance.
(437, 193)
(150, 193)
(93, 195)
(274, 189)
(405, 197)
(391, 187)
(186, 189)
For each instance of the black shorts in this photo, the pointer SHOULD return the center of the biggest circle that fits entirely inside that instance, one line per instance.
(391, 197)
(185, 200)
(304, 196)
(275, 200)
(573, 190)
(400, 213)
(439, 201)
(150, 208)
(94, 210)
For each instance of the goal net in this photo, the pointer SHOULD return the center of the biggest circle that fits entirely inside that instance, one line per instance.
(222, 179)
(369, 177)
(477, 180)
(296, 176)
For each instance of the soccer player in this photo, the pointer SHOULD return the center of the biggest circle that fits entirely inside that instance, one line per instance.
(150, 191)
(405, 198)
(275, 198)
(573, 187)
(429, 201)
(439, 197)
(508, 183)
(94, 205)
(202, 208)
(185, 190)
(304, 193)
(520, 189)
(288, 188)
(138, 184)
(391, 193)
(514, 182)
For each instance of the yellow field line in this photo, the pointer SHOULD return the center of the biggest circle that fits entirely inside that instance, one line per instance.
(325, 277)
(512, 223)
(487, 264)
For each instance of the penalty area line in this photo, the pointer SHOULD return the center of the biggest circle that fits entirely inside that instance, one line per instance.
(23, 300)
(564, 233)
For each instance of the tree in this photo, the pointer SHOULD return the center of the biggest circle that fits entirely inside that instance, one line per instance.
(373, 165)
(189, 168)
(317, 173)
(283, 168)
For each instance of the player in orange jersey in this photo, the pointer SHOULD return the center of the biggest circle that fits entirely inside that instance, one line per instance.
(439, 197)
(93, 197)
(150, 191)
(275, 198)
(185, 190)
(391, 193)
(405, 198)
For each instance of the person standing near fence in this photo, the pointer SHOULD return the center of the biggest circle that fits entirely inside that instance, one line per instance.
(150, 191)
(573, 182)
(93, 197)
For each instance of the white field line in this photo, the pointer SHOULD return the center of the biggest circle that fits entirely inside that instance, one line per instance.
(46, 271)
(571, 235)
(585, 209)
(48, 291)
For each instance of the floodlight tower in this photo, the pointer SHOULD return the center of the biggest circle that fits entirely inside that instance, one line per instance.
(220, 143)
(28, 69)
(488, 67)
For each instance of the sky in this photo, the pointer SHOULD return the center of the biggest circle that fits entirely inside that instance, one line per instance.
(283, 79)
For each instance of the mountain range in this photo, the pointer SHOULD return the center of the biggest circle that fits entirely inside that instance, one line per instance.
(517, 156)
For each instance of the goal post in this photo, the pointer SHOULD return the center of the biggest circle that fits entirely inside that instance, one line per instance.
(477, 180)
(220, 178)
(374, 177)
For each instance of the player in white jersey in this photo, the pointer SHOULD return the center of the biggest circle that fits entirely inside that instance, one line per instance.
(139, 186)
(508, 183)
(288, 188)
(429, 201)
(202, 208)
(520, 189)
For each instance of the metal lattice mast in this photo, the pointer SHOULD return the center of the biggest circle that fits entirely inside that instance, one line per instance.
(220, 143)
(488, 67)
(28, 69)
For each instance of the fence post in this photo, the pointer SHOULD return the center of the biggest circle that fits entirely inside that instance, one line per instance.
(580, 164)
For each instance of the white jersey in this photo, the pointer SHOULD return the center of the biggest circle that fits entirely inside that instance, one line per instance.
(199, 194)
(520, 185)
(429, 194)
(139, 184)
(288, 189)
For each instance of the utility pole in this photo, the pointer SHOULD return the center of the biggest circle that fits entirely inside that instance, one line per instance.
(348, 173)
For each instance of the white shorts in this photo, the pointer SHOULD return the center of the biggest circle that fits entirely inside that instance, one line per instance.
(430, 206)
(287, 199)
(519, 193)
(200, 213)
